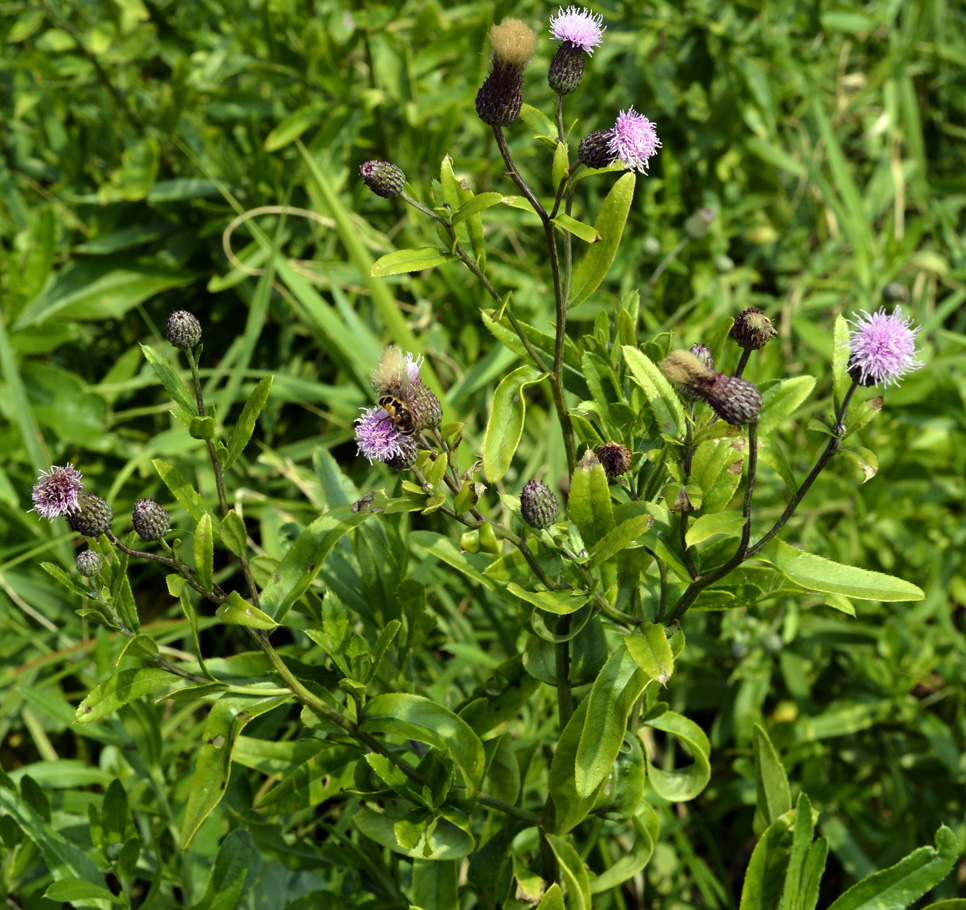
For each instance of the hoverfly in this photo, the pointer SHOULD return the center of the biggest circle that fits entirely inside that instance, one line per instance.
(400, 415)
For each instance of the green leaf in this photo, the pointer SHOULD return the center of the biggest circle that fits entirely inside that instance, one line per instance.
(240, 612)
(680, 784)
(229, 872)
(204, 551)
(584, 231)
(765, 875)
(812, 875)
(904, 883)
(202, 428)
(617, 687)
(630, 864)
(590, 504)
(552, 899)
(593, 268)
(500, 697)
(233, 533)
(102, 288)
(118, 690)
(505, 426)
(140, 646)
(478, 203)
(169, 379)
(866, 461)
(815, 573)
(76, 889)
(651, 651)
(619, 539)
(295, 573)
(436, 885)
(773, 795)
(57, 572)
(416, 260)
(664, 400)
(781, 400)
(225, 721)
(442, 841)
(708, 526)
(562, 603)
(418, 718)
(292, 126)
(572, 871)
(243, 430)
(181, 489)
(570, 808)
(803, 833)
(133, 180)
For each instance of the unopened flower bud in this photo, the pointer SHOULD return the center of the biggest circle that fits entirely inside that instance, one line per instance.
(150, 521)
(538, 505)
(651, 247)
(614, 457)
(733, 399)
(406, 455)
(566, 69)
(424, 406)
(723, 264)
(183, 330)
(594, 149)
(696, 226)
(93, 517)
(383, 178)
(753, 329)
(89, 563)
(500, 98)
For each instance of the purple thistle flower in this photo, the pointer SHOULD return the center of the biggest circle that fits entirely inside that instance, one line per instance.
(377, 436)
(580, 27)
(882, 347)
(57, 492)
(633, 140)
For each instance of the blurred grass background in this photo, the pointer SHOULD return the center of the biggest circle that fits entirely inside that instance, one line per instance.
(828, 138)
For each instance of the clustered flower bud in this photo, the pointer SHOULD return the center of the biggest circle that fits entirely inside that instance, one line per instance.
(733, 399)
(500, 98)
(594, 149)
(93, 517)
(753, 329)
(89, 563)
(183, 330)
(696, 226)
(538, 505)
(425, 406)
(383, 178)
(151, 522)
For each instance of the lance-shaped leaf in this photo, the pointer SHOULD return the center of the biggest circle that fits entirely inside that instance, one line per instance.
(118, 690)
(774, 798)
(505, 426)
(593, 268)
(815, 573)
(419, 718)
(664, 400)
(245, 426)
(680, 784)
(415, 260)
(781, 400)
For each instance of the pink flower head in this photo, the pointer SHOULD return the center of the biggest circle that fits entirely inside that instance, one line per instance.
(378, 438)
(580, 27)
(57, 492)
(882, 347)
(633, 140)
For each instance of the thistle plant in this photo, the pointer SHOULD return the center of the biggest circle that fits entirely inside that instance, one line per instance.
(597, 569)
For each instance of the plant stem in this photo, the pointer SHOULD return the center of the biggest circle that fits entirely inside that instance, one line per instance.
(831, 448)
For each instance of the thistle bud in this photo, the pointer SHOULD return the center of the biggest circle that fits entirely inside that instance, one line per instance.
(183, 330)
(538, 505)
(614, 457)
(93, 517)
(150, 521)
(500, 98)
(406, 455)
(566, 69)
(753, 329)
(424, 406)
(696, 226)
(733, 399)
(383, 178)
(723, 264)
(651, 247)
(594, 149)
(89, 563)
